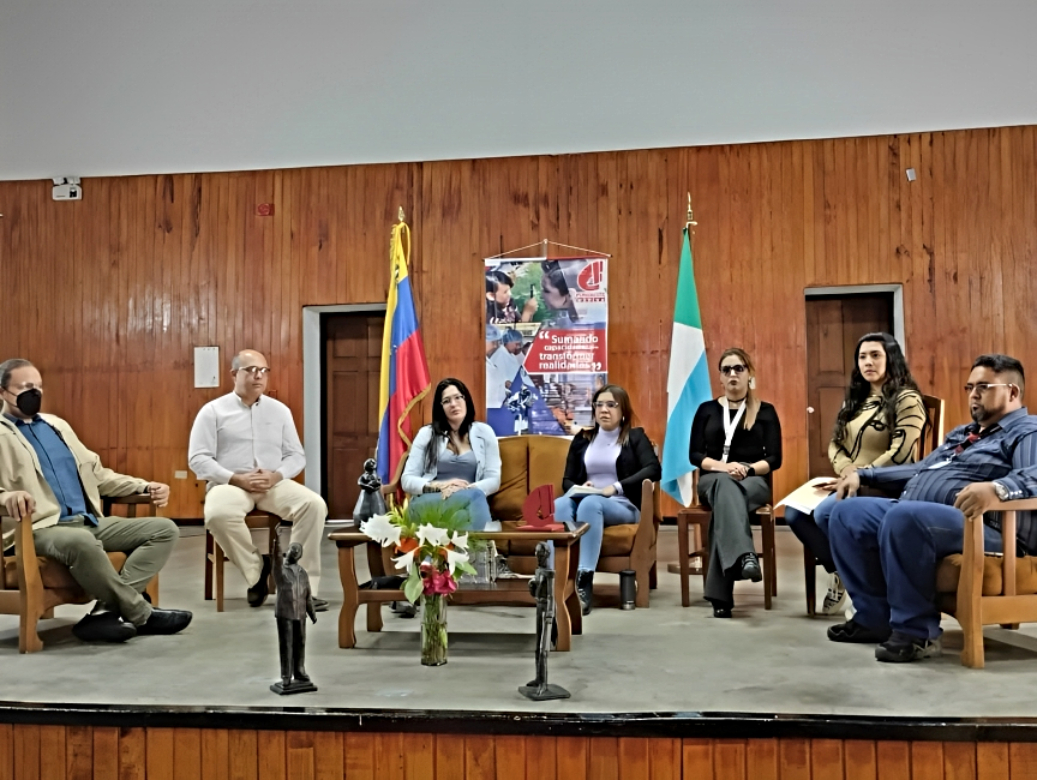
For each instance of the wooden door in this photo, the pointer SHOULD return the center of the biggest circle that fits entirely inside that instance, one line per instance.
(834, 324)
(352, 362)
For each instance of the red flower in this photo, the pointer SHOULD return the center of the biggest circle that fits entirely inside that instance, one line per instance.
(436, 582)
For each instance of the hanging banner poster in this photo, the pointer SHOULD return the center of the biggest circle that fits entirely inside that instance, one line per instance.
(546, 348)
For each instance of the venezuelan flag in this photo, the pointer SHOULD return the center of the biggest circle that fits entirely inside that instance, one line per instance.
(405, 378)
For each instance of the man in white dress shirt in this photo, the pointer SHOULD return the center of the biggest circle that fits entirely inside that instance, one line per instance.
(246, 446)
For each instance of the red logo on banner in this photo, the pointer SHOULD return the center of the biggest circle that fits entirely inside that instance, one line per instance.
(591, 276)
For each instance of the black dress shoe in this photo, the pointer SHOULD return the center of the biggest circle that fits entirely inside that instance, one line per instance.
(104, 627)
(721, 609)
(320, 605)
(257, 593)
(165, 621)
(852, 631)
(751, 568)
(901, 648)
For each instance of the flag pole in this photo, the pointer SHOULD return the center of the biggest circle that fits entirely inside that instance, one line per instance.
(691, 217)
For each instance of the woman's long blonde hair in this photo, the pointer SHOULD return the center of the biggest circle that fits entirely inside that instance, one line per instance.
(752, 401)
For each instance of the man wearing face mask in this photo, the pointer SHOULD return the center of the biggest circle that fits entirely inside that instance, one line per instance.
(47, 474)
(246, 446)
(887, 550)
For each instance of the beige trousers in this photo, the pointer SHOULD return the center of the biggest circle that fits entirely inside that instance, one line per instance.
(225, 510)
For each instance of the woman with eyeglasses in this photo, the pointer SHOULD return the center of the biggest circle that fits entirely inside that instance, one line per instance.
(603, 474)
(736, 443)
(879, 424)
(455, 458)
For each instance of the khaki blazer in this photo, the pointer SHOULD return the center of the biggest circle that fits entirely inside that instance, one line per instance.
(20, 470)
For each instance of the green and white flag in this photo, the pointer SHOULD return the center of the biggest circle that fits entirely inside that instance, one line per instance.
(688, 384)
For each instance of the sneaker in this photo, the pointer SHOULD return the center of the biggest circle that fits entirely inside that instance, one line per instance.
(901, 648)
(852, 631)
(257, 593)
(835, 599)
(751, 568)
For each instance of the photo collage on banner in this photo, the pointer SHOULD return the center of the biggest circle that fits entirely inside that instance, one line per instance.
(546, 351)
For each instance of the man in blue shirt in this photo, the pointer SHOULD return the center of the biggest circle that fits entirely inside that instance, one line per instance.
(48, 475)
(887, 550)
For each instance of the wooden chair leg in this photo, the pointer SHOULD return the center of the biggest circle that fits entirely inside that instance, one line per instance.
(209, 555)
(350, 598)
(770, 577)
(970, 591)
(653, 575)
(683, 553)
(810, 578)
(217, 579)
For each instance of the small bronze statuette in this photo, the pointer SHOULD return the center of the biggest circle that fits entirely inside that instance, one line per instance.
(542, 588)
(294, 603)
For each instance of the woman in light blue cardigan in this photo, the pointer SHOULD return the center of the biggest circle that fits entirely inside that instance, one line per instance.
(455, 458)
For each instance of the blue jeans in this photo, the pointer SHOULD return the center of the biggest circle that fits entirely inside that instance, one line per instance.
(812, 530)
(887, 551)
(471, 499)
(597, 512)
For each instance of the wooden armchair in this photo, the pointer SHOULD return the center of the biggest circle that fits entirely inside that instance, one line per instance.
(695, 518)
(984, 590)
(33, 585)
(634, 546)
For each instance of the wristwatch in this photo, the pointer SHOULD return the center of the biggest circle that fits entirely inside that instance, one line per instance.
(1001, 491)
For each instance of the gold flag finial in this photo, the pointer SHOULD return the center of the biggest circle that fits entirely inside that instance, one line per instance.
(691, 214)
(401, 214)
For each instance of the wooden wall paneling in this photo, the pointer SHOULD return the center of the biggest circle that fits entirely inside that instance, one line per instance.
(132, 753)
(450, 756)
(761, 759)
(388, 756)
(243, 752)
(52, 753)
(272, 755)
(860, 759)
(1022, 758)
(959, 760)
(603, 759)
(546, 756)
(358, 753)
(893, 760)
(160, 753)
(6, 738)
(79, 754)
(300, 758)
(826, 759)
(927, 761)
(106, 753)
(187, 753)
(419, 758)
(697, 758)
(215, 754)
(27, 753)
(328, 753)
(992, 760)
(664, 759)
(571, 754)
(794, 759)
(480, 759)
(729, 759)
(510, 758)
(634, 758)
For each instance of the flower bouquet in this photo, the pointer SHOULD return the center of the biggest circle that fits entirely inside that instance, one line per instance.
(431, 543)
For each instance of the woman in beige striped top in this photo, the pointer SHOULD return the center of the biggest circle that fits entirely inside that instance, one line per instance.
(879, 424)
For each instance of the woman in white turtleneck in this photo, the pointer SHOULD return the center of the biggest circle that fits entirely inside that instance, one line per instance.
(614, 458)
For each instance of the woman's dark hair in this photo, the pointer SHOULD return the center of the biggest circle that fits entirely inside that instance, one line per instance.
(626, 413)
(441, 425)
(898, 379)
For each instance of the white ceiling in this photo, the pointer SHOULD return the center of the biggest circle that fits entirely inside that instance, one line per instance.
(110, 87)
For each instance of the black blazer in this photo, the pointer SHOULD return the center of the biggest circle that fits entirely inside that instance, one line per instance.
(636, 463)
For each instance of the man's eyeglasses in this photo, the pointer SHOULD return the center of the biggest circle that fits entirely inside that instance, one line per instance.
(737, 368)
(982, 387)
(451, 399)
(255, 370)
(606, 405)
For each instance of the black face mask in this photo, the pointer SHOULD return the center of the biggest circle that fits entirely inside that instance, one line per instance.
(29, 401)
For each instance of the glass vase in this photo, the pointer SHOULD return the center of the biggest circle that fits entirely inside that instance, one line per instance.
(433, 630)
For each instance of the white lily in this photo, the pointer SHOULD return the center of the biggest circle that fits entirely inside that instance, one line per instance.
(382, 530)
(454, 557)
(460, 541)
(432, 536)
(405, 561)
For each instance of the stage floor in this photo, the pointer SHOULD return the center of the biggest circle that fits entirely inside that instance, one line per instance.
(662, 659)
